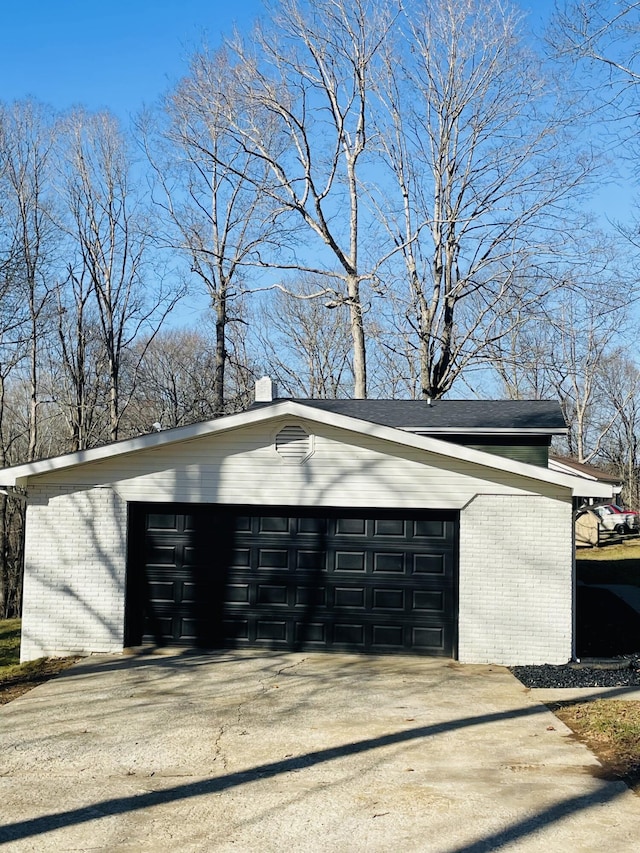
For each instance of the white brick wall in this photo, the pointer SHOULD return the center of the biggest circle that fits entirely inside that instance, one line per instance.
(75, 561)
(515, 580)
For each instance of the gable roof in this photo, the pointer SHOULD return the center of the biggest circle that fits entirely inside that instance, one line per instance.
(541, 417)
(282, 410)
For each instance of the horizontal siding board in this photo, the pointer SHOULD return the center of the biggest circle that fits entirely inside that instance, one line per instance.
(243, 467)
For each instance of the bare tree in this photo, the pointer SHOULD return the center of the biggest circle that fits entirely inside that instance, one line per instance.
(482, 166)
(620, 450)
(12, 350)
(173, 386)
(305, 346)
(27, 138)
(601, 32)
(23, 250)
(307, 78)
(108, 230)
(565, 351)
(212, 193)
(76, 376)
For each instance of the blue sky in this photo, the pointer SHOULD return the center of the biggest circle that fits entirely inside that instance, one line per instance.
(118, 54)
(123, 54)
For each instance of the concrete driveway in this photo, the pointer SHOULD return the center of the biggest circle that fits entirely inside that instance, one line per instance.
(266, 752)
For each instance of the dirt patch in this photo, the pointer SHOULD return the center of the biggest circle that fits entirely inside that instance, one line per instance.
(14, 685)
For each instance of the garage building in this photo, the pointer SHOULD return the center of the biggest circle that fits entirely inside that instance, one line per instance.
(418, 527)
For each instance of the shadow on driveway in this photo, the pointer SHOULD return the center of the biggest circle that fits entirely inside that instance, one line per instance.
(391, 690)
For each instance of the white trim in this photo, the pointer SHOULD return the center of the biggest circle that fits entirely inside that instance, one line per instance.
(19, 475)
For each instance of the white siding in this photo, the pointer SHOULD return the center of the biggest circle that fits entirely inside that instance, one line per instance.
(515, 581)
(74, 584)
(345, 469)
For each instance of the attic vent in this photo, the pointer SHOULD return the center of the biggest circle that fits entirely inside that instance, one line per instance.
(293, 444)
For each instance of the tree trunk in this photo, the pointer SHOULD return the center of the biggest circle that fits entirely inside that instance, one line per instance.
(358, 338)
(221, 350)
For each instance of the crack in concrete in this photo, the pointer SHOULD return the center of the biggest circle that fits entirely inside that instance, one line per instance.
(217, 747)
(291, 666)
(264, 686)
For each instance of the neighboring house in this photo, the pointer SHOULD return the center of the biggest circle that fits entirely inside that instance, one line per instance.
(373, 526)
(589, 473)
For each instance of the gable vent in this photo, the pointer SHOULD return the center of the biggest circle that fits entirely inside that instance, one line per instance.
(293, 444)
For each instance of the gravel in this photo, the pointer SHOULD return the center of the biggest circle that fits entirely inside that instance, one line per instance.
(623, 672)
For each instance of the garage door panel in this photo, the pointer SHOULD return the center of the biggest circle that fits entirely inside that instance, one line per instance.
(432, 529)
(310, 596)
(273, 524)
(235, 631)
(311, 634)
(272, 594)
(350, 527)
(429, 564)
(349, 597)
(384, 582)
(349, 561)
(271, 559)
(241, 558)
(271, 630)
(310, 561)
(238, 593)
(349, 635)
(388, 599)
(312, 526)
(162, 591)
(189, 629)
(431, 640)
(388, 637)
(162, 554)
(162, 521)
(389, 527)
(389, 562)
(433, 601)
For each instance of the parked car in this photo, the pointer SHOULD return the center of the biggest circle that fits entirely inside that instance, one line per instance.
(619, 509)
(617, 519)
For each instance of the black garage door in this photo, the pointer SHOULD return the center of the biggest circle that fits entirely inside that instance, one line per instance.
(283, 577)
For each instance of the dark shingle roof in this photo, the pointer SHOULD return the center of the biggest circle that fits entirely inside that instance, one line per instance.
(450, 415)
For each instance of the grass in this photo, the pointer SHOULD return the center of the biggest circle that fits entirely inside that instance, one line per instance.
(9, 643)
(611, 730)
(609, 727)
(616, 563)
(17, 678)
